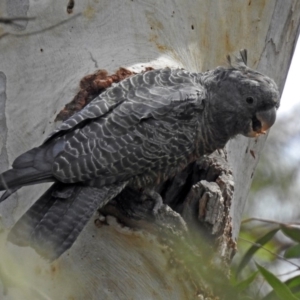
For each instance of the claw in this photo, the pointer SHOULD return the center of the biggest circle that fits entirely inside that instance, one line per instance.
(157, 199)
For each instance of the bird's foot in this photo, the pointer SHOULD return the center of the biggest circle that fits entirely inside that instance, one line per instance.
(100, 221)
(157, 199)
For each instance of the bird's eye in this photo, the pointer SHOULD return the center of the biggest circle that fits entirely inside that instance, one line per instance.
(249, 100)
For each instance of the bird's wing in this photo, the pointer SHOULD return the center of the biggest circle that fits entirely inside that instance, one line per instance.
(121, 92)
(151, 129)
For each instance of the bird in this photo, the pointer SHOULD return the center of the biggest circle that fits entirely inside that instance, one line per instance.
(137, 133)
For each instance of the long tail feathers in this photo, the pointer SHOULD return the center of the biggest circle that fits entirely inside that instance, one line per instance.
(14, 179)
(31, 167)
(54, 222)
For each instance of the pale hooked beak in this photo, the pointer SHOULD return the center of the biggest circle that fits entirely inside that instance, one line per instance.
(262, 121)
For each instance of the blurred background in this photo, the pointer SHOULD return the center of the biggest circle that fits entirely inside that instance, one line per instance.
(275, 193)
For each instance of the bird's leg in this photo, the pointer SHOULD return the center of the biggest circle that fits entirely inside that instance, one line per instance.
(157, 199)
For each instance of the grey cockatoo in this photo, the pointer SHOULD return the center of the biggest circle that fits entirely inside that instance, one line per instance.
(137, 133)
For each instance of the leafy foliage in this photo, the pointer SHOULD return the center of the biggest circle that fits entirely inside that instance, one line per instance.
(270, 249)
(281, 289)
(250, 275)
(256, 246)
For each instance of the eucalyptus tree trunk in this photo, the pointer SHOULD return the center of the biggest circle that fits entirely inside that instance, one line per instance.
(125, 252)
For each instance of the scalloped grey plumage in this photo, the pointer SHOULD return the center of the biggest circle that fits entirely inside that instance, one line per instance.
(137, 133)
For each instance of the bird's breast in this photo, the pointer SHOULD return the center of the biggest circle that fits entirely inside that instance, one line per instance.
(155, 177)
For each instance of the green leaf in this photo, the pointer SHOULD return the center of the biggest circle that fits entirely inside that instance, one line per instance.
(292, 283)
(293, 252)
(260, 242)
(292, 232)
(281, 289)
(242, 285)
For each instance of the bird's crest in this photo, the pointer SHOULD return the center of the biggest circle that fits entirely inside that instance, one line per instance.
(239, 61)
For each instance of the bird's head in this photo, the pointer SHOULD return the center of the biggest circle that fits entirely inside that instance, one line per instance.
(247, 100)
